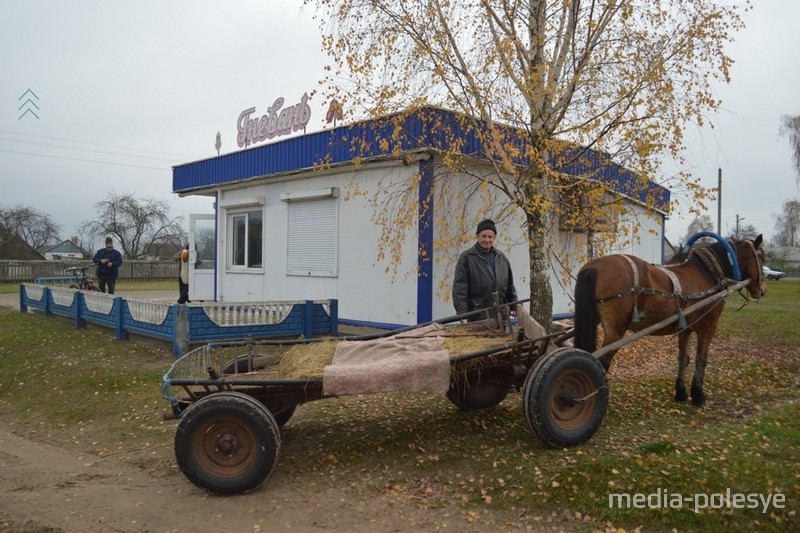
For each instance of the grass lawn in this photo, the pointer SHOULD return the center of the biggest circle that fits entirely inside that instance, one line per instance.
(654, 464)
(122, 285)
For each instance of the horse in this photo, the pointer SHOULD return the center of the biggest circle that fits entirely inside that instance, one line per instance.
(623, 292)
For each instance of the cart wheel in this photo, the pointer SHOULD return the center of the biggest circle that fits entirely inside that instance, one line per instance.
(227, 443)
(473, 393)
(565, 397)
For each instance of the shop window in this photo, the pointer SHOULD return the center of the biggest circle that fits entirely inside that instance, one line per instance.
(246, 236)
(312, 242)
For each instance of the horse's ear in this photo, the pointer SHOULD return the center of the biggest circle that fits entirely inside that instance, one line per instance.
(758, 242)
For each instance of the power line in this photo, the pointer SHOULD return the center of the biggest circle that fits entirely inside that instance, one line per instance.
(96, 144)
(84, 160)
(37, 143)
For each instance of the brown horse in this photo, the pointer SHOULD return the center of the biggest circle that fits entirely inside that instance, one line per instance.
(624, 293)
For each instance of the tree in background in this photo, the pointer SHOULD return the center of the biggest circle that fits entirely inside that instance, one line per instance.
(622, 78)
(790, 127)
(746, 231)
(141, 229)
(700, 223)
(787, 224)
(31, 225)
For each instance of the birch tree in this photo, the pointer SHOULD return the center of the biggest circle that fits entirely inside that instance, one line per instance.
(700, 223)
(787, 224)
(623, 78)
(790, 127)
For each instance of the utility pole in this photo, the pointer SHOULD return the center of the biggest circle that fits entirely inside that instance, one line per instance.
(719, 201)
(738, 219)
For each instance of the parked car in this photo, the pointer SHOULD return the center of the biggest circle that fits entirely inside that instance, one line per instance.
(773, 274)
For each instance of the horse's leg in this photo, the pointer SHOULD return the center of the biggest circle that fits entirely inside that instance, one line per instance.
(701, 359)
(683, 362)
(609, 335)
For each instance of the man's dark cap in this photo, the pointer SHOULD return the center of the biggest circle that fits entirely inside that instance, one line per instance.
(486, 224)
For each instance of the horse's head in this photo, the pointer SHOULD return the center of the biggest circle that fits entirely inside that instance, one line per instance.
(750, 256)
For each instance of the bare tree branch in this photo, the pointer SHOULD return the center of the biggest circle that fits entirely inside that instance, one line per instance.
(790, 127)
(31, 225)
(139, 227)
(620, 78)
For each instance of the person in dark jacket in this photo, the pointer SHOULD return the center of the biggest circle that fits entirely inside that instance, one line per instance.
(108, 261)
(483, 275)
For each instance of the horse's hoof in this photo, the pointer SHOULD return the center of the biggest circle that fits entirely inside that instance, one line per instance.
(699, 402)
(681, 396)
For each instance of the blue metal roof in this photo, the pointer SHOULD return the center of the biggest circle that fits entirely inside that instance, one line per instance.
(426, 128)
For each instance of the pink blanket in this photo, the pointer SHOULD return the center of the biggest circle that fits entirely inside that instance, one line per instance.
(411, 361)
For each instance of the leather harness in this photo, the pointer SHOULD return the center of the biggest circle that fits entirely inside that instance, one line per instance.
(712, 265)
(709, 260)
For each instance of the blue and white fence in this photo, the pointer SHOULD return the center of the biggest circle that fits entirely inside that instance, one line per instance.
(183, 325)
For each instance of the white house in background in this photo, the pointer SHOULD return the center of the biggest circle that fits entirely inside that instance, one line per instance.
(63, 250)
(283, 229)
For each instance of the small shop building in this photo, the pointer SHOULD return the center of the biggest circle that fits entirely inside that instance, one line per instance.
(296, 219)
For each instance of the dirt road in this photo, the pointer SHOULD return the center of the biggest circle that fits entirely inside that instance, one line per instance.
(48, 489)
(48, 485)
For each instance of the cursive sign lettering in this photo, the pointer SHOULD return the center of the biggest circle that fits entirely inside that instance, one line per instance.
(274, 122)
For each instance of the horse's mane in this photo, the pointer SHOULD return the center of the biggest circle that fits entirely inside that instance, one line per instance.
(693, 255)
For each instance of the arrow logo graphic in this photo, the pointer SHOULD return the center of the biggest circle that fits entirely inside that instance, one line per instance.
(28, 104)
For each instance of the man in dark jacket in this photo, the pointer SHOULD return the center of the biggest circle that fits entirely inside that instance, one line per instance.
(108, 261)
(483, 275)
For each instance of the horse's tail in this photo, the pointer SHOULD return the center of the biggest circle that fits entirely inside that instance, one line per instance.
(586, 318)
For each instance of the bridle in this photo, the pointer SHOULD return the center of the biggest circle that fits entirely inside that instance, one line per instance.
(752, 257)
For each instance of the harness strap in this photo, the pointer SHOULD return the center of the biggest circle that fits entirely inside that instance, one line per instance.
(676, 284)
(635, 270)
(677, 292)
(712, 264)
(635, 312)
(634, 288)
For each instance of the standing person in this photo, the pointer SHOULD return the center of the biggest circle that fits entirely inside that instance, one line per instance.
(108, 261)
(483, 275)
(183, 275)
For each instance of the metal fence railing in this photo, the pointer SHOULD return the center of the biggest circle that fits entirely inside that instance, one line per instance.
(27, 271)
(184, 325)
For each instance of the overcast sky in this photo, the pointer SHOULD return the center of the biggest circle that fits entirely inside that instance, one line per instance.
(127, 89)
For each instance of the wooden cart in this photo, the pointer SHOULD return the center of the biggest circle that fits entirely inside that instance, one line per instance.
(229, 436)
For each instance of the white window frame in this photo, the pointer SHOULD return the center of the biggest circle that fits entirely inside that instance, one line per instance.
(231, 216)
(312, 240)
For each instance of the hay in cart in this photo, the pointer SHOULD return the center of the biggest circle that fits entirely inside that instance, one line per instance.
(430, 357)
(309, 360)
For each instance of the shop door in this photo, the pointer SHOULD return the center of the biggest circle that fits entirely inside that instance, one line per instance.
(202, 257)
